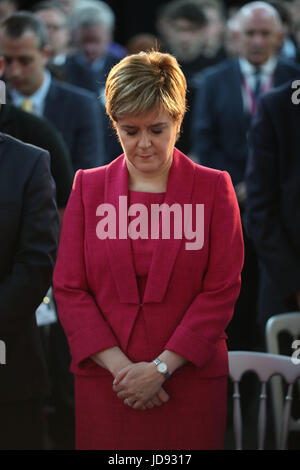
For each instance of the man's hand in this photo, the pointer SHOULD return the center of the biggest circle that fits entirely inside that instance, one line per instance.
(140, 384)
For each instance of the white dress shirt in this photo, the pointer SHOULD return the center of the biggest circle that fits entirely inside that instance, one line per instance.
(249, 73)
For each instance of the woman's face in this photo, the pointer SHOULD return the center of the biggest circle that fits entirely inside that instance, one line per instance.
(148, 141)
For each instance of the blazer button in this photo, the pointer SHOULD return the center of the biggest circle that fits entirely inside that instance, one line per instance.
(141, 305)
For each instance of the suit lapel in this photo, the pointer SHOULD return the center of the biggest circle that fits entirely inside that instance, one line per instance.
(179, 190)
(119, 251)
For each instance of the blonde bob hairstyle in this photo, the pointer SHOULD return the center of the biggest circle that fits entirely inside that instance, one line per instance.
(144, 82)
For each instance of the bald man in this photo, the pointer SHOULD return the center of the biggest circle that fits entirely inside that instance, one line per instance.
(227, 93)
(225, 104)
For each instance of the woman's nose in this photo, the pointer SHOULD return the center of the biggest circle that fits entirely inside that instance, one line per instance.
(145, 140)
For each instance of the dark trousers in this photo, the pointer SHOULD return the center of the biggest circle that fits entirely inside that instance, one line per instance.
(21, 425)
(60, 415)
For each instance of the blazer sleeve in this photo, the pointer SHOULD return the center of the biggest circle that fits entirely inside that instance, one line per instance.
(86, 329)
(22, 290)
(264, 222)
(204, 322)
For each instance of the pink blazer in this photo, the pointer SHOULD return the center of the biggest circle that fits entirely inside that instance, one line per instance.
(190, 294)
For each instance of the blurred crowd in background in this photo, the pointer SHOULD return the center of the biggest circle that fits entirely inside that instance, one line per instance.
(87, 37)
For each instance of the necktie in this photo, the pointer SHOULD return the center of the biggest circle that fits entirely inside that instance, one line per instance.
(27, 105)
(257, 84)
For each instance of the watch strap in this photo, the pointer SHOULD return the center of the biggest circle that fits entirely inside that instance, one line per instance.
(166, 374)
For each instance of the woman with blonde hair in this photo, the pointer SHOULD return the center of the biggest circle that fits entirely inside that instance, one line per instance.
(147, 276)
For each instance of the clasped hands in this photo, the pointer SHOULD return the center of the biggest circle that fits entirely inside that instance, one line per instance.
(140, 384)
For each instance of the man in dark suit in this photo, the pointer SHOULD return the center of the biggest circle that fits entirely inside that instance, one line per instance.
(273, 199)
(225, 103)
(92, 31)
(28, 244)
(227, 93)
(38, 131)
(183, 27)
(56, 22)
(73, 111)
(88, 67)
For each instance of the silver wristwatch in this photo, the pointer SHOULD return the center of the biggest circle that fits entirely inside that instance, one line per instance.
(162, 368)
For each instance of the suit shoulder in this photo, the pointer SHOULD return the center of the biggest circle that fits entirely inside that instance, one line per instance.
(29, 121)
(290, 65)
(20, 152)
(202, 173)
(92, 174)
(280, 99)
(215, 72)
(211, 175)
(90, 181)
(73, 91)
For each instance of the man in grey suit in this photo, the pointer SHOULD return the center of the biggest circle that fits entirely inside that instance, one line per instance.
(73, 111)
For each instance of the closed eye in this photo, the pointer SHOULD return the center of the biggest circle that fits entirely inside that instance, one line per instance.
(154, 131)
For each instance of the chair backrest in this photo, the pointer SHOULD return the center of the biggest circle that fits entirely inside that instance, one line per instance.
(265, 366)
(289, 322)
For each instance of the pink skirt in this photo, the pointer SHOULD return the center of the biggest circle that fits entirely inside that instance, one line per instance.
(193, 418)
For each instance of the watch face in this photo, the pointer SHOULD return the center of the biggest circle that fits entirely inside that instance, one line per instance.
(162, 367)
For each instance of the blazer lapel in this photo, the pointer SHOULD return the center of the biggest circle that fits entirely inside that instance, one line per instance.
(179, 190)
(119, 250)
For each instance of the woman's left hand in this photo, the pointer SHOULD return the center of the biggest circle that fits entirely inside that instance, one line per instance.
(138, 383)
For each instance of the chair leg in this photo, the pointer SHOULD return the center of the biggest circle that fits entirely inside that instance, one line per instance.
(262, 416)
(286, 417)
(237, 417)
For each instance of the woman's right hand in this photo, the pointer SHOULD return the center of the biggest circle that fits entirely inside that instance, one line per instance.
(158, 399)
